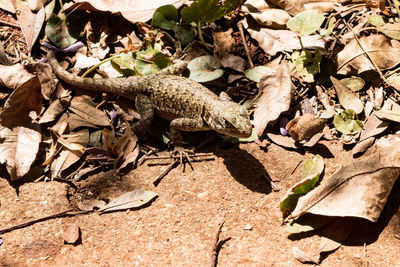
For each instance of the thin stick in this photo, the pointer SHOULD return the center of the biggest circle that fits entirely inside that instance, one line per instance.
(45, 218)
(166, 171)
(271, 183)
(9, 24)
(246, 48)
(214, 254)
(197, 155)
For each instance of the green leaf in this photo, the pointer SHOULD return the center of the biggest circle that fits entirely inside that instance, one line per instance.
(124, 64)
(376, 20)
(306, 22)
(59, 33)
(165, 17)
(308, 222)
(306, 64)
(185, 34)
(205, 69)
(206, 11)
(331, 25)
(391, 30)
(150, 61)
(255, 74)
(312, 169)
(346, 122)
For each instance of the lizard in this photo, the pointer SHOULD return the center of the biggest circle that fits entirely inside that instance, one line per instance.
(188, 105)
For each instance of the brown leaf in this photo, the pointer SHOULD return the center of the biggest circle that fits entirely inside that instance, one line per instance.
(84, 107)
(126, 148)
(359, 189)
(265, 15)
(335, 233)
(224, 43)
(347, 98)
(284, 141)
(302, 257)
(31, 24)
(7, 5)
(45, 75)
(132, 10)
(383, 51)
(275, 41)
(56, 108)
(305, 126)
(91, 204)
(14, 76)
(71, 234)
(275, 87)
(68, 156)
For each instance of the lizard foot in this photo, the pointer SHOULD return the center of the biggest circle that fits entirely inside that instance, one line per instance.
(183, 154)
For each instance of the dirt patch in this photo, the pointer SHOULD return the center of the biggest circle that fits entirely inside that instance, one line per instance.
(178, 228)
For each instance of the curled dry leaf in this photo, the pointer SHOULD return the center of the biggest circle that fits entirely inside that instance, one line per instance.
(56, 108)
(45, 76)
(305, 126)
(359, 189)
(302, 257)
(274, 41)
(383, 51)
(335, 233)
(347, 98)
(14, 76)
(71, 234)
(275, 87)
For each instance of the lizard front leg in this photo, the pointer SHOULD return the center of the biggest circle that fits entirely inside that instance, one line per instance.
(144, 106)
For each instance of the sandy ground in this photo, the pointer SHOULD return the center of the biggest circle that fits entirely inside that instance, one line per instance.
(179, 227)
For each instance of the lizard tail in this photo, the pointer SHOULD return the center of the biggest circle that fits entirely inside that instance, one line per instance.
(109, 85)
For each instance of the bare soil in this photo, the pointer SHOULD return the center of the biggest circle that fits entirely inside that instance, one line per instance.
(179, 227)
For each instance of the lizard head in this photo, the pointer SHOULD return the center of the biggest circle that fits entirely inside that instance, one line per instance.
(229, 118)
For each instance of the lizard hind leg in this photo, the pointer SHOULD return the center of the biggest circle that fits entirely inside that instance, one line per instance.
(144, 106)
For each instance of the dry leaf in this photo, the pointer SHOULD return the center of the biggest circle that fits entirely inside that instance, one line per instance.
(133, 199)
(84, 107)
(383, 51)
(305, 127)
(359, 189)
(31, 24)
(347, 98)
(91, 204)
(67, 157)
(126, 148)
(284, 141)
(265, 15)
(132, 10)
(45, 75)
(394, 81)
(14, 76)
(275, 87)
(56, 108)
(71, 234)
(274, 41)
(7, 5)
(302, 257)
(335, 233)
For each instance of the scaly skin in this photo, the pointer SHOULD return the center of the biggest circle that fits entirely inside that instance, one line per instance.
(187, 104)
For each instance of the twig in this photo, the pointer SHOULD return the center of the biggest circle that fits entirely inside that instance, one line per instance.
(53, 216)
(214, 254)
(9, 24)
(177, 157)
(166, 171)
(246, 48)
(150, 164)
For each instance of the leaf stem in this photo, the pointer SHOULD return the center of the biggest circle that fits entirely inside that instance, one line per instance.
(98, 64)
(201, 37)
(301, 44)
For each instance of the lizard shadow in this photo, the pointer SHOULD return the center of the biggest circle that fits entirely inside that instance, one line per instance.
(245, 169)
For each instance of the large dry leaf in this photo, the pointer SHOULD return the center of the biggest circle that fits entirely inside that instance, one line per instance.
(347, 98)
(275, 87)
(45, 76)
(56, 108)
(265, 15)
(384, 51)
(305, 126)
(14, 76)
(85, 108)
(274, 41)
(132, 10)
(359, 189)
(31, 24)
(126, 148)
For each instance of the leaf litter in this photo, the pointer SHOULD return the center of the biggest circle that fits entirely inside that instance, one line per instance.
(353, 80)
